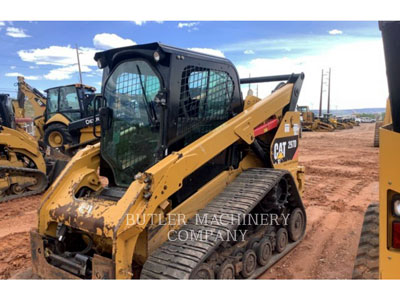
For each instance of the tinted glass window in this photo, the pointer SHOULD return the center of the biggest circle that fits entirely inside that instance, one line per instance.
(69, 103)
(205, 101)
(131, 144)
(52, 101)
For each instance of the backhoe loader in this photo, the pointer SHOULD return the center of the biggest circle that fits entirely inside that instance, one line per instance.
(378, 253)
(188, 181)
(65, 118)
(23, 168)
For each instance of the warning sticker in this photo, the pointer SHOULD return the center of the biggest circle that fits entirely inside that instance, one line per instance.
(296, 129)
(287, 128)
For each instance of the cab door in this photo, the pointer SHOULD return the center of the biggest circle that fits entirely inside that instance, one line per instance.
(69, 104)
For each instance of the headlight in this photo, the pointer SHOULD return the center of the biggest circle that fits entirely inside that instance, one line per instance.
(156, 56)
(396, 208)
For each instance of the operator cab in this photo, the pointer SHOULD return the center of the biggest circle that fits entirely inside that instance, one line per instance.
(159, 99)
(7, 118)
(302, 109)
(74, 101)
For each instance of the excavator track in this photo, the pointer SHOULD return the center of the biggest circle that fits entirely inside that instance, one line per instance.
(211, 257)
(28, 190)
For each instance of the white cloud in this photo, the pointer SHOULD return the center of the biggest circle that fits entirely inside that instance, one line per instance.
(58, 55)
(16, 74)
(210, 51)
(65, 72)
(348, 62)
(190, 24)
(64, 57)
(110, 40)
(12, 67)
(248, 52)
(139, 23)
(16, 32)
(335, 32)
(2, 23)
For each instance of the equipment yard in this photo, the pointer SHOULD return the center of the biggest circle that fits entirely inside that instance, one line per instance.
(341, 180)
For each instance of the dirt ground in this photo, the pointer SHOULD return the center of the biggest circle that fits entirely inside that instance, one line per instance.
(341, 180)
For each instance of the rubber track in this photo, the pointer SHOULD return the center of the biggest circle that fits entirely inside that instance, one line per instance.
(177, 259)
(376, 133)
(366, 264)
(23, 172)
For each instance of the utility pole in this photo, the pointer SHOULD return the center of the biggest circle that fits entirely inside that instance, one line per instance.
(320, 98)
(329, 90)
(79, 63)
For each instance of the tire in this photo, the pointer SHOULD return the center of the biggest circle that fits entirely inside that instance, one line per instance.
(226, 271)
(282, 240)
(297, 224)
(366, 265)
(376, 134)
(264, 252)
(249, 263)
(203, 271)
(60, 130)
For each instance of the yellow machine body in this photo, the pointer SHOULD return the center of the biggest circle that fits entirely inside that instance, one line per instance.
(109, 223)
(389, 185)
(22, 142)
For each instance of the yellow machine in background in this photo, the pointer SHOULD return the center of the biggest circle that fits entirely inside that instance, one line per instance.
(178, 143)
(38, 102)
(386, 121)
(64, 119)
(23, 168)
(379, 248)
(310, 123)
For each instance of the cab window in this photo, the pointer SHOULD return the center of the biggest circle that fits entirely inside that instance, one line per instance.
(69, 103)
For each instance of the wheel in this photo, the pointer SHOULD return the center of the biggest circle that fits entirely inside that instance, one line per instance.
(57, 135)
(226, 271)
(366, 265)
(238, 252)
(264, 252)
(203, 271)
(281, 240)
(249, 263)
(296, 225)
(16, 189)
(253, 243)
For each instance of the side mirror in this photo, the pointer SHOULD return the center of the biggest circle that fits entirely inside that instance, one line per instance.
(97, 104)
(106, 116)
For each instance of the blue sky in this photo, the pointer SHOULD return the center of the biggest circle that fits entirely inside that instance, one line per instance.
(43, 52)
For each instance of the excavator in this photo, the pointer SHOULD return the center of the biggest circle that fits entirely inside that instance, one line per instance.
(310, 123)
(189, 180)
(65, 118)
(378, 255)
(23, 169)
